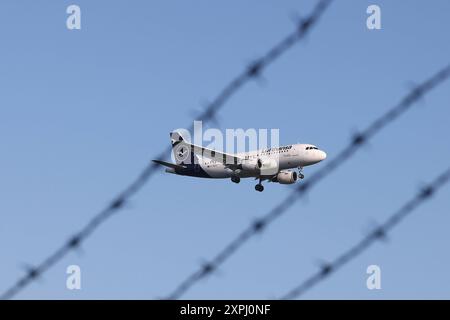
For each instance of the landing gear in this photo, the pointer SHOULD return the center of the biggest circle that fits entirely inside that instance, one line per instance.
(300, 173)
(259, 187)
(235, 179)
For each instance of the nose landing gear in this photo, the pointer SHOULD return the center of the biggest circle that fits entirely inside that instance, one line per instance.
(235, 179)
(300, 173)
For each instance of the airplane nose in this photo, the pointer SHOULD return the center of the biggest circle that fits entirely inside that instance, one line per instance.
(322, 155)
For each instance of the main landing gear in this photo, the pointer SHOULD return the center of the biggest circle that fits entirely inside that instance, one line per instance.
(259, 187)
(235, 179)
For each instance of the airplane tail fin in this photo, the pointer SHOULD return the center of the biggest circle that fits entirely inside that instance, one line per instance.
(182, 151)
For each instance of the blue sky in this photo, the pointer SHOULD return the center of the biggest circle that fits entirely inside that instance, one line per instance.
(82, 112)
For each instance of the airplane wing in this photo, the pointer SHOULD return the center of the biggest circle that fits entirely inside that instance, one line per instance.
(229, 160)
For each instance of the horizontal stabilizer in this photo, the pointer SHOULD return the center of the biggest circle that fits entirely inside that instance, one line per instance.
(168, 164)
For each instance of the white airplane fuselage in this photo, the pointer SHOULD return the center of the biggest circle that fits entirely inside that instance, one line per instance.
(288, 157)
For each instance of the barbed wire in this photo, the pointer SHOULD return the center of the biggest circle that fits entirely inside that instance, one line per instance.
(252, 71)
(356, 142)
(378, 233)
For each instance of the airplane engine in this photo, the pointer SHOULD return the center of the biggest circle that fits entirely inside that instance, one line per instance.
(286, 177)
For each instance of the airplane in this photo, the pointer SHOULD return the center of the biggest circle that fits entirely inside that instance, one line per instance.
(271, 164)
